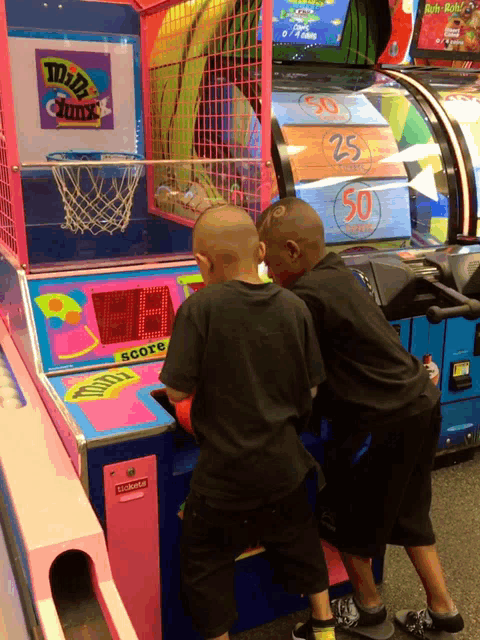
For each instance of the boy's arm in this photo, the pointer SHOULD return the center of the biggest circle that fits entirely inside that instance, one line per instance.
(181, 371)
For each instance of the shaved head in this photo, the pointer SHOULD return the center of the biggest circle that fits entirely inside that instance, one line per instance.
(226, 235)
(292, 219)
(294, 237)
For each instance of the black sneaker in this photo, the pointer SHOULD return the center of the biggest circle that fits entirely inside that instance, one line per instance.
(307, 631)
(426, 626)
(347, 614)
(351, 618)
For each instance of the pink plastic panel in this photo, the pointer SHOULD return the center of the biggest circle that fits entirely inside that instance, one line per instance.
(12, 219)
(113, 401)
(207, 90)
(131, 507)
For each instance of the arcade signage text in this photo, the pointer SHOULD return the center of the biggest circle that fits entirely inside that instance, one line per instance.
(153, 350)
(133, 485)
(74, 89)
(102, 386)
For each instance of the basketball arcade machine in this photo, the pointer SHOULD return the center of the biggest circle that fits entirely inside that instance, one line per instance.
(96, 254)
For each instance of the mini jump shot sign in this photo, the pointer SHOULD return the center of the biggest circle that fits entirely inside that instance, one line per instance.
(74, 89)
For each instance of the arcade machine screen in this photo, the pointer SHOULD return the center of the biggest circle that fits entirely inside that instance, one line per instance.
(361, 150)
(300, 27)
(447, 31)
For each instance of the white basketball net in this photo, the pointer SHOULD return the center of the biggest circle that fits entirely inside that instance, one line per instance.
(95, 201)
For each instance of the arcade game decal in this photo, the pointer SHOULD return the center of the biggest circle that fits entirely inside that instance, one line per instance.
(342, 152)
(112, 401)
(448, 31)
(124, 318)
(74, 89)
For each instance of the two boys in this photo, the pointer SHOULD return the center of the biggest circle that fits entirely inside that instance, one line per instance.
(248, 351)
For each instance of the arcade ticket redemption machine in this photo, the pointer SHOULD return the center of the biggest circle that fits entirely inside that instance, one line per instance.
(95, 240)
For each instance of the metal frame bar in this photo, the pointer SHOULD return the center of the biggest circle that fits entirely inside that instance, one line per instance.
(121, 163)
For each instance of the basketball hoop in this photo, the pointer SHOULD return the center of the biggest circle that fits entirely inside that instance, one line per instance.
(96, 198)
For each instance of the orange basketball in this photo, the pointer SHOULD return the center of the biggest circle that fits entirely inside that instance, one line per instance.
(183, 410)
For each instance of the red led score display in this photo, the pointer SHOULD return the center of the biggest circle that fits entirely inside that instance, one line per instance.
(133, 314)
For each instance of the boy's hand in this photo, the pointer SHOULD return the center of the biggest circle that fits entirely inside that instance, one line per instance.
(176, 396)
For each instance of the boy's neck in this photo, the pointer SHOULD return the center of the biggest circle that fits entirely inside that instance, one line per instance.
(248, 274)
(251, 278)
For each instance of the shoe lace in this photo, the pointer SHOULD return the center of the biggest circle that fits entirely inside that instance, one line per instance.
(417, 621)
(345, 611)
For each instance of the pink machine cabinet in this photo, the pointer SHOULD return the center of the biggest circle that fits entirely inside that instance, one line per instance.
(87, 312)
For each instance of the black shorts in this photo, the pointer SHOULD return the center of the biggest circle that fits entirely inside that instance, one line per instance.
(385, 497)
(213, 538)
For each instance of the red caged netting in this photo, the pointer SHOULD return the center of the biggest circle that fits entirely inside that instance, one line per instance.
(12, 220)
(206, 91)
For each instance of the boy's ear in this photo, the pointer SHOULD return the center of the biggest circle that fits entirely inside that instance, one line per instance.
(204, 261)
(261, 251)
(293, 249)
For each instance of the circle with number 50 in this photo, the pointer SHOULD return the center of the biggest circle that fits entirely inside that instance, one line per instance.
(357, 210)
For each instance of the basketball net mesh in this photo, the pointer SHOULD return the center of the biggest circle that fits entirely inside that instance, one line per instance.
(95, 201)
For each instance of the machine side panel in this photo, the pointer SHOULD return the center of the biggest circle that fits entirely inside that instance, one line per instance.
(461, 367)
(131, 502)
(428, 339)
(12, 310)
(460, 424)
(12, 621)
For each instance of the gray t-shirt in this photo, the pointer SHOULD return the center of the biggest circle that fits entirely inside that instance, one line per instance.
(250, 353)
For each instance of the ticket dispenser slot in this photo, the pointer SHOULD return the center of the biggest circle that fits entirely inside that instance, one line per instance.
(160, 396)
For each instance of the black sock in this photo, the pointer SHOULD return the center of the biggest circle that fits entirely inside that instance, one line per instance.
(451, 622)
(322, 624)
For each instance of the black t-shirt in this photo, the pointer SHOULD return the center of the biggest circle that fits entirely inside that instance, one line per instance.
(250, 353)
(371, 378)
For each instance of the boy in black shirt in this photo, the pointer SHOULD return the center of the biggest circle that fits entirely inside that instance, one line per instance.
(378, 392)
(247, 350)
